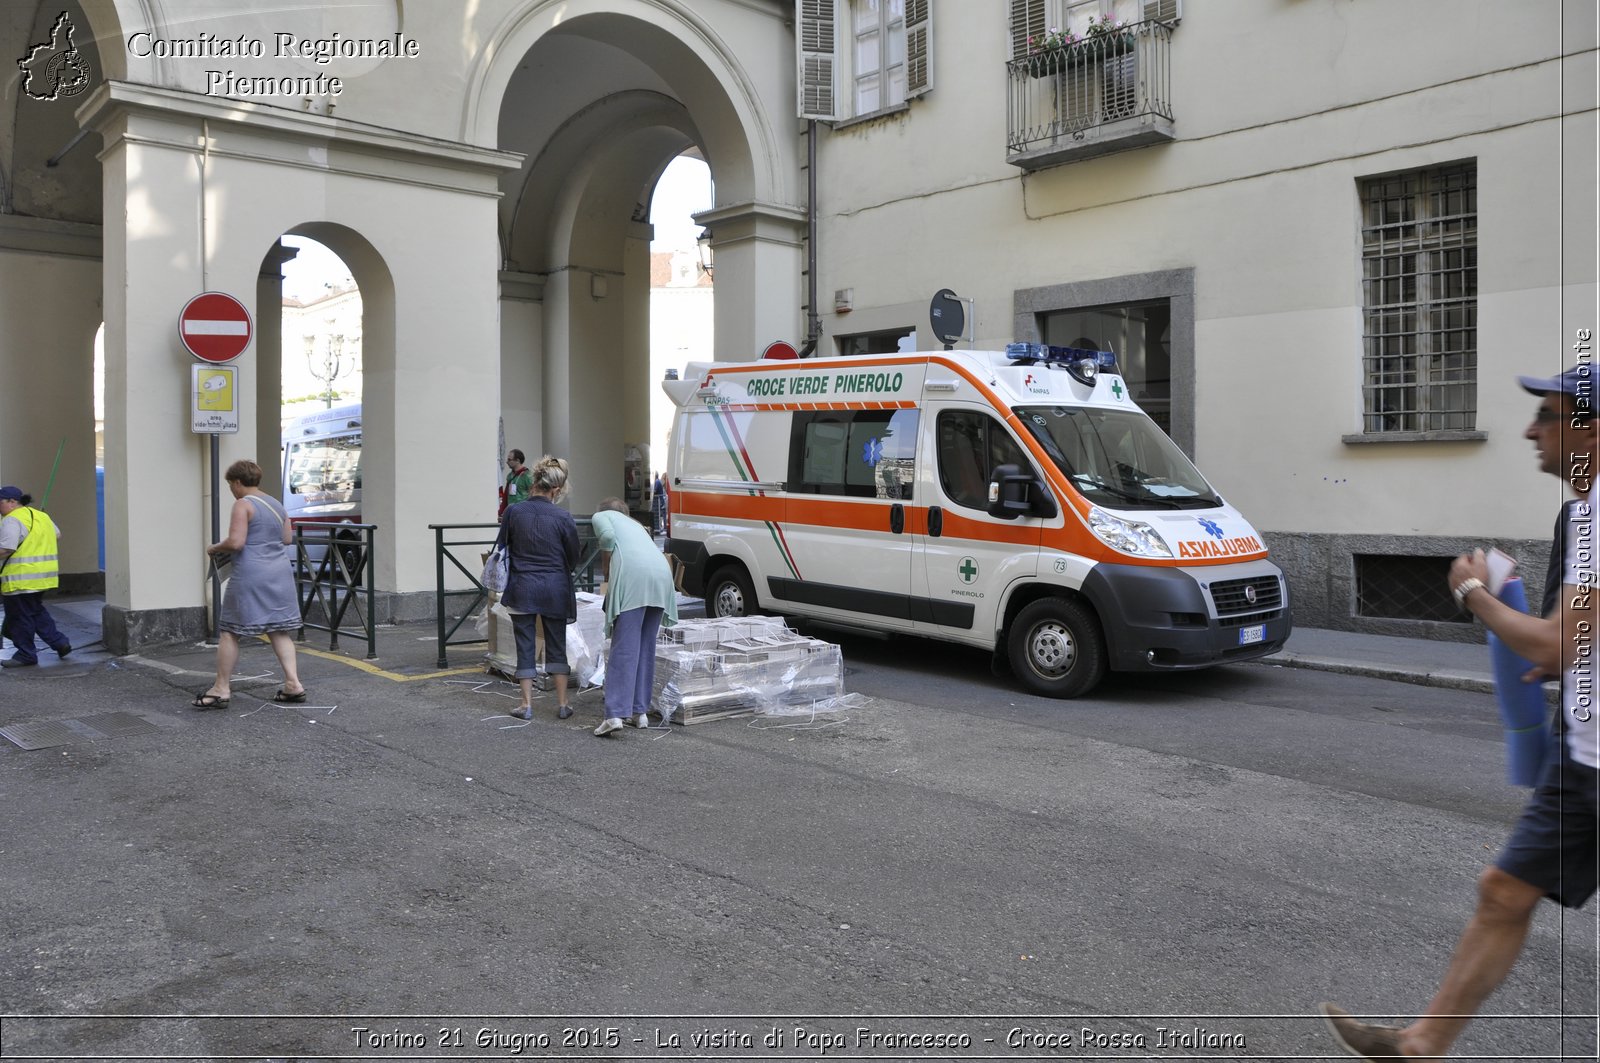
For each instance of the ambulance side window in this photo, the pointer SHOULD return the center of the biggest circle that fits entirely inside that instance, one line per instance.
(971, 445)
(856, 453)
(703, 445)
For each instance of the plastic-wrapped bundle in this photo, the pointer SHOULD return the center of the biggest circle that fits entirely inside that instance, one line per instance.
(1522, 706)
(757, 666)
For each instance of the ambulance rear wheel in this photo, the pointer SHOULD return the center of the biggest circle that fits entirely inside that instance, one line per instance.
(729, 593)
(1056, 648)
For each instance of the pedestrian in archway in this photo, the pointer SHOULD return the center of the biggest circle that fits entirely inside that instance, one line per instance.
(260, 599)
(519, 482)
(29, 566)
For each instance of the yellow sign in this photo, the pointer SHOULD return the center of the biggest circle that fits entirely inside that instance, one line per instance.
(215, 406)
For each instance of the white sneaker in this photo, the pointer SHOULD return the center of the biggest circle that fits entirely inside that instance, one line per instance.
(607, 725)
(642, 720)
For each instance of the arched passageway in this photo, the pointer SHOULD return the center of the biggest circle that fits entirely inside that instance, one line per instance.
(599, 102)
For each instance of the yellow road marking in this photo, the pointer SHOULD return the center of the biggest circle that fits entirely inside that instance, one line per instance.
(373, 669)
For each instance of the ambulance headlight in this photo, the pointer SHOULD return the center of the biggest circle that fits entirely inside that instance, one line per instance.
(1130, 536)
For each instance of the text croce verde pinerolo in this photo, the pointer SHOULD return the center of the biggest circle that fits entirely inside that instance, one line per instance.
(817, 384)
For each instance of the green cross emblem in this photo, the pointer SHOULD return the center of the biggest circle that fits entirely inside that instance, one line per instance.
(1116, 388)
(968, 569)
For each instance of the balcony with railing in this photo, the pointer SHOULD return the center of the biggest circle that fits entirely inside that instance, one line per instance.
(1096, 96)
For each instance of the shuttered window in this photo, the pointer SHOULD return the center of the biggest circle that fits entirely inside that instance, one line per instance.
(1163, 10)
(886, 58)
(879, 59)
(816, 40)
(1027, 23)
(919, 47)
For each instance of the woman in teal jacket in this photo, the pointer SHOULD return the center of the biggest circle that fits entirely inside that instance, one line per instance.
(639, 598)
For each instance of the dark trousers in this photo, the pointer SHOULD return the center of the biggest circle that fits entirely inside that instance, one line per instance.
(26, 617)
(525, 626)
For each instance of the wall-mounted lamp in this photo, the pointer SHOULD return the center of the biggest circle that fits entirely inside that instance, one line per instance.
(703, 243)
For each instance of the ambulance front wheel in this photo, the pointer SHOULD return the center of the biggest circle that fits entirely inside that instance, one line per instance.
(729, 593)
(1056, 648)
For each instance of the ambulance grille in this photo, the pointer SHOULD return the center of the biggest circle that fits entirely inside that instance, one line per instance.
(1232, 597)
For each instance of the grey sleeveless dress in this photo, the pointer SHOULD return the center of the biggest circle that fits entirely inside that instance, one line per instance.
(261, 597)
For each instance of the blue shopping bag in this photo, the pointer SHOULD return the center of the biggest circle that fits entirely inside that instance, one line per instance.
(1522, 705)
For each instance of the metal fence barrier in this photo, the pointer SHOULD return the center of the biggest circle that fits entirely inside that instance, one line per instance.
(476, 540)
(333, 571)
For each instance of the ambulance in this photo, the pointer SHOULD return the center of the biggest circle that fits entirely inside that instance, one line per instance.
(1017, 501)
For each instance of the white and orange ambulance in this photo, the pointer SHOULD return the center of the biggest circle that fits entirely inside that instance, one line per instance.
(1015, 500)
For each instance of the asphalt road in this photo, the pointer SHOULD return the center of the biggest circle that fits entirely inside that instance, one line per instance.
(397, 871)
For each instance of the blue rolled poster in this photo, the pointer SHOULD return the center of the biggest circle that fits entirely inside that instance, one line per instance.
(1522, 705)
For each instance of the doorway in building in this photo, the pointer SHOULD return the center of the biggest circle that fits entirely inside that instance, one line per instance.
(1140, 334)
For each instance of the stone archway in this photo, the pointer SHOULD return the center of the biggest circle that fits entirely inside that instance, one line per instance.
(51, 263)
(599, 98)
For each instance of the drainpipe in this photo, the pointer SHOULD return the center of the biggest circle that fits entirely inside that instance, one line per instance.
(813, 319)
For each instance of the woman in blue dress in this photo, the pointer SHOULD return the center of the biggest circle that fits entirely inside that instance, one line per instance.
(260, 599)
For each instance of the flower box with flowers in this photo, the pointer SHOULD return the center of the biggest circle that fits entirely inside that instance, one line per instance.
(1060, 50)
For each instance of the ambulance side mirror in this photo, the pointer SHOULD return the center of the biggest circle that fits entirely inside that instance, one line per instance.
(1014, 493)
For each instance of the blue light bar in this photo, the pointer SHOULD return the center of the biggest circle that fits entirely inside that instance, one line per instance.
(1047, 354)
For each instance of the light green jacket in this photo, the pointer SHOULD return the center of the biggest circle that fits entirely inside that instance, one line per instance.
(640, 576)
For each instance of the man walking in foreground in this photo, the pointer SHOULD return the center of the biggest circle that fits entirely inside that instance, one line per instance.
(1552, 850)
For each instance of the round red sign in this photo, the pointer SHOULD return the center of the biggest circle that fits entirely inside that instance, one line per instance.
(215, 327)
(780, 350)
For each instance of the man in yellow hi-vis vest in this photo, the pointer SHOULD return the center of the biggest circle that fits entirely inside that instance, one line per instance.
(28, 568)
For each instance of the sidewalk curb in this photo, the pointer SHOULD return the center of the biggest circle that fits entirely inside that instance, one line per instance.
(1476, 684)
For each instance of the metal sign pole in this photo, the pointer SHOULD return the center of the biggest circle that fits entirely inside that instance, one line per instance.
(216, 537)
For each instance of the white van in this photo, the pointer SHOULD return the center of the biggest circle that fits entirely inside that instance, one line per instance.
(322, 466)
(1015, 500)
(322, 481)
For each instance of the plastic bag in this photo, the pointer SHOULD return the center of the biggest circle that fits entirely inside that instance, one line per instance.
(496, 567)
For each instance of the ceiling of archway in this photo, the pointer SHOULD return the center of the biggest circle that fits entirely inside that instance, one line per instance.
(598, 109)
(32, 131)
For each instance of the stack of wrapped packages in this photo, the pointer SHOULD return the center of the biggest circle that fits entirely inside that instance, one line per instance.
(705, 669)
(711, 669)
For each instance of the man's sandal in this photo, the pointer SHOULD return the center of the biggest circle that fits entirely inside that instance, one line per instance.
(283, 697)
(210, 701)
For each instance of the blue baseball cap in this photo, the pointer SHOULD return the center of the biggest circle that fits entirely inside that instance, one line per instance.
(1578, 379)
(9, 493)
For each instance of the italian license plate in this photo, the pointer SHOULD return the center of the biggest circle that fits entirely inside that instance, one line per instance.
(1250, 635)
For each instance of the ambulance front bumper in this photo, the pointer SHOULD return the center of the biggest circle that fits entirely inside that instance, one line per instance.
(1163, 619)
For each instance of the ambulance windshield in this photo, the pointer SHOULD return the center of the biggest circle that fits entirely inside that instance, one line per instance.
(1118, 459)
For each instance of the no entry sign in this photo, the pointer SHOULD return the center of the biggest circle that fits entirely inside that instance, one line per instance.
(215, 327)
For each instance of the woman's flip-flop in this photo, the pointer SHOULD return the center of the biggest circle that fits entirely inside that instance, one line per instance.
(210, 701)
(285, 698)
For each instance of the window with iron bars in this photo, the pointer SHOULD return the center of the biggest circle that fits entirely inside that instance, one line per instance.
(1419, 240)
(1406, 588)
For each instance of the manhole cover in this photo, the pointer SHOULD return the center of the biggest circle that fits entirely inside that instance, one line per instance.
(48, 733)
(119, 724)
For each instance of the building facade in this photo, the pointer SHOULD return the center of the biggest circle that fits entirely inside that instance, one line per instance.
(1273, 212)
(1323, 239)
